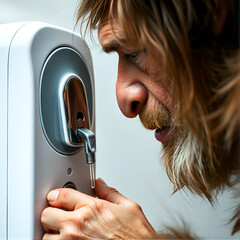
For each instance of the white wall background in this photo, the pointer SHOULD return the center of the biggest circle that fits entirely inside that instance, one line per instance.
(127, 154)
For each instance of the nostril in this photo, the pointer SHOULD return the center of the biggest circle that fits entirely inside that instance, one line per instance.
(134, 105)
(131, 99)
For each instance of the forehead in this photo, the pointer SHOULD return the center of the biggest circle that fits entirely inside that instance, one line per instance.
(106, 36)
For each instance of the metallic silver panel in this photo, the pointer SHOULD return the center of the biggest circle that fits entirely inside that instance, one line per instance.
(74, 109)
(64, 71)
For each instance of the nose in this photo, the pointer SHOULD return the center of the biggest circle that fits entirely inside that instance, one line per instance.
(131, 97)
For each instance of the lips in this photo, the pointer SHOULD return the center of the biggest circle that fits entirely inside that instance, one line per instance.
(162, 134)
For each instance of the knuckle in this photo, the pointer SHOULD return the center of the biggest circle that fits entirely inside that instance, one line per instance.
(96, 205)
(71, 233)
(133, 206)
(44, 214)
(74, 229)
(82, 222)
(79, 220)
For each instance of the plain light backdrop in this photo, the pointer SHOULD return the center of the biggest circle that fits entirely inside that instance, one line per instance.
(128, 156)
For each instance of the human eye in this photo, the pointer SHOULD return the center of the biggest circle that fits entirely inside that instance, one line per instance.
(132, 55)
(137, 58)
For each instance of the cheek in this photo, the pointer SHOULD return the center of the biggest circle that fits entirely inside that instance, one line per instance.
(160, 86)
(162, 94)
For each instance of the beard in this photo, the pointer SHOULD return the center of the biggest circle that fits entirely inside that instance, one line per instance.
(159, 118)
(183, 156)
(186, 154)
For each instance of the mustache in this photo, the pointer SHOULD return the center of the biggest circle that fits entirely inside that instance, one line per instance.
(159, 118)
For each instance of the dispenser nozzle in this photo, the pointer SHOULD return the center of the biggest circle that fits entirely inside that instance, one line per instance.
(90, 149)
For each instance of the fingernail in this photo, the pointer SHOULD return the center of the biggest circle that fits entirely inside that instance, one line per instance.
(101, 181)
(52, 196)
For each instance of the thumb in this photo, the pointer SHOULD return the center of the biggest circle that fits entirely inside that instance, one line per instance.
(109, 194)
(68, 198)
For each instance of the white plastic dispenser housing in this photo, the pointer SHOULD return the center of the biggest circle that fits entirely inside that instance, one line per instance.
(46, 95)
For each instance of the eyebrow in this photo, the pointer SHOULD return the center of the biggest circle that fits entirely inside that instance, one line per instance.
(113, 45)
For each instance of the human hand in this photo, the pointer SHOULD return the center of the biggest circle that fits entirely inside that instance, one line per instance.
(110, 216)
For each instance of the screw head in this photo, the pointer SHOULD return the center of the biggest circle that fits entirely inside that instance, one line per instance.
(69, 171)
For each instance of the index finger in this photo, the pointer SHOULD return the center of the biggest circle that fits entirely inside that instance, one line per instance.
(68, 198)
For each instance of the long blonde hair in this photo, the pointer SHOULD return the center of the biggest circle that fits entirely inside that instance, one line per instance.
(180, 34)
(205, 69)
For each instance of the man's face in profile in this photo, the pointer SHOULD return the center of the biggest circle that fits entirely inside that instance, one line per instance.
(142, 88)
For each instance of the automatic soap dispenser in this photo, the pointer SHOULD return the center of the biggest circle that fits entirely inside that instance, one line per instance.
(46, 98)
